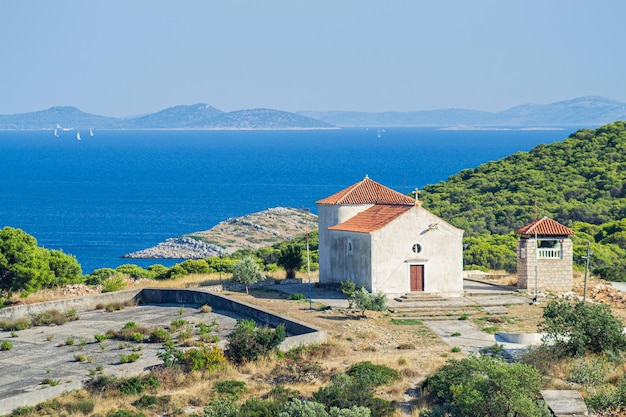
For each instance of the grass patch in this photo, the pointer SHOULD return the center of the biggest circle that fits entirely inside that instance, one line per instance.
(406, 322)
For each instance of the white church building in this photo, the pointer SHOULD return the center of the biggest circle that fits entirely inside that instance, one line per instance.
(387, 242)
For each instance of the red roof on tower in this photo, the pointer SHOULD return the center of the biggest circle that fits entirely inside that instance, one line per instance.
(545, 227)
(367, 191)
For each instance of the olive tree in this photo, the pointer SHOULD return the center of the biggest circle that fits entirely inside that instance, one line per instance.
(247, 272)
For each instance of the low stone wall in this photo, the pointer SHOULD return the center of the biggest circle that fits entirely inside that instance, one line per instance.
(77, 303)
(306, 334)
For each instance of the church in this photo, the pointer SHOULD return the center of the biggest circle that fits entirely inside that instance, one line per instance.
(387, 242)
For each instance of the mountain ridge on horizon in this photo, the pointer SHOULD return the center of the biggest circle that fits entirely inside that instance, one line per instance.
(580, 111)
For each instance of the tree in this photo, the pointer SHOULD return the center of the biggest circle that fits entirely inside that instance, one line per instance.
(26, 267)
(575, 328)
(247, 272)
(291, 259)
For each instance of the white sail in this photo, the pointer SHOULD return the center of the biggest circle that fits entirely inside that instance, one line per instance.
(78, 135)
(56, 134)
(90, 132)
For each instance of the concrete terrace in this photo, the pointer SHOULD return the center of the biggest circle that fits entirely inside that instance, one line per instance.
(43, 353)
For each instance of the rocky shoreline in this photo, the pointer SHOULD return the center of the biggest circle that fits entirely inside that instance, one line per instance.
(251, 231)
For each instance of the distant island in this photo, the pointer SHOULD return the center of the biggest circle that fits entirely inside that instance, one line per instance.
(591, 111)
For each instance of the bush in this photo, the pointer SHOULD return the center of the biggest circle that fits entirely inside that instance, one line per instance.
(483, 386)
(363, 300)
(373, 375)
(114, 283)
(344, 391)
(6, 345)
(53, 317)
(575, 328)
(130, 358)
(208, 357)
(20, 324)
(98, 276)
(248, 342)
(230, 387)
(159, 335)
(613, 400)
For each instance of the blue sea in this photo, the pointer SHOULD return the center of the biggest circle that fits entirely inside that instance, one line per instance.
(121, 191)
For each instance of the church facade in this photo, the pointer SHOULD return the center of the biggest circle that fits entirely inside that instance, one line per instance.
(387, 242)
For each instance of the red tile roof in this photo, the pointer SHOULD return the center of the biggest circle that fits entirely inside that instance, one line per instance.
(372, 219)
(545, 227)
(368, 192)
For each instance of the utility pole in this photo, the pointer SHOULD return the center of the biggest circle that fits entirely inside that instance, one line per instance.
(308, 259)
(588, 258)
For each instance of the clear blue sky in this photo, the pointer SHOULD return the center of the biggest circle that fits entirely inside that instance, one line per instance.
(129, 57)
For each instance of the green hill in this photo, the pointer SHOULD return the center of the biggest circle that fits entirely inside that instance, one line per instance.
(580, 182)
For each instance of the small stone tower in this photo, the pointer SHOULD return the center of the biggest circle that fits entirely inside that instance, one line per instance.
(544, 256)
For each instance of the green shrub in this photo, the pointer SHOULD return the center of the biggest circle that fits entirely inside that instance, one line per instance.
(373, 375)
(575, 328)
(170, 354)
(20, 324)
(248, 342)
(129, 358)
(137, 385)
(297, 297)
(159, 335)
(363, 300)
(113, 283)
(588, 372)
(176, 324)
(100, 337)
(609, 399)
(206, 357)
(98, 276)
(482, 386)
(230, 387)
(6, 345)
(51, 317)
(344, 391)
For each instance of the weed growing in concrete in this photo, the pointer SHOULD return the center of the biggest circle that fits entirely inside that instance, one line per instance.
(100, 337)
(129, 358)
(51, 382)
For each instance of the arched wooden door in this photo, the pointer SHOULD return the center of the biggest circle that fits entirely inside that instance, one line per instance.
(417, 277)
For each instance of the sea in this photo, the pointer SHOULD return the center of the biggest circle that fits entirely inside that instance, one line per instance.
(116, 192)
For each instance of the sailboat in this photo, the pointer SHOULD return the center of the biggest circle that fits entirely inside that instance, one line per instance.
(90, 132)
(78, 135)
(56, 134)
(378, 132)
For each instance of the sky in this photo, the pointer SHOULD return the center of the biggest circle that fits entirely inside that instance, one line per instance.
(132, 57)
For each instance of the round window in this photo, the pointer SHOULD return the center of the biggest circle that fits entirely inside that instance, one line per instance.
(416, 248)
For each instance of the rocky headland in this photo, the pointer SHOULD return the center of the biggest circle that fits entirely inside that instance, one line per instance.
(253, 231)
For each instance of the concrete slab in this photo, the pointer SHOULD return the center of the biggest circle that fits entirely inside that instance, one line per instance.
(565, 403)
(42, 353)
